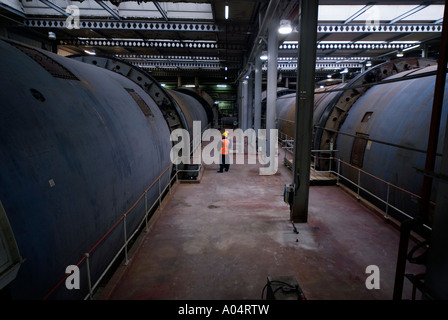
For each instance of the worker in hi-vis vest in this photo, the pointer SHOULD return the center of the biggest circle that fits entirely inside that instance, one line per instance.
(224, 146)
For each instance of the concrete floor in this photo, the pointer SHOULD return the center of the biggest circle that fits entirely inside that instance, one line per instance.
(221, 238)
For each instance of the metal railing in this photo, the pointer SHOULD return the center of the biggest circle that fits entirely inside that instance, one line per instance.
(127, 239)
(335, 165)
(358, 183)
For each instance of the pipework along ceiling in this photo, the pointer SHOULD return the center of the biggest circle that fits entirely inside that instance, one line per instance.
(191, 41)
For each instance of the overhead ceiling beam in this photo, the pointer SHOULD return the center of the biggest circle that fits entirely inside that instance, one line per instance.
(410, 12)
(359, 12)
(55, 7)
(149, 25)
(13, 10)
(162, 12)
(109, 9)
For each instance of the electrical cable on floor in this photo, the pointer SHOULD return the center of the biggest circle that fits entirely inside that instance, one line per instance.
(295, 229)
(286, 288)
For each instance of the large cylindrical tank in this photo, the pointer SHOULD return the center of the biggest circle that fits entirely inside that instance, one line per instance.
(192, 109)
(210, 107)
(397, 114)
(286, 107)
(78, 145)
(381, 129)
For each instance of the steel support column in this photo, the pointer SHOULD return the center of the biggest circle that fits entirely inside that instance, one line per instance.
(257, 92)
(304, 108)
(436, 278)
(271, 91)
(250, 102)
(435, 121)
(242, 108)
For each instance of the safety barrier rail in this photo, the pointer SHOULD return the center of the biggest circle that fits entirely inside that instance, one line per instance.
(287, 143)
(127, 240)
(122, 220)
(358, 184)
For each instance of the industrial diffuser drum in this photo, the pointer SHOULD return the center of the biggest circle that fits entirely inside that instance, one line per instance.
(386, 134)
(191, 108)
(79, 145)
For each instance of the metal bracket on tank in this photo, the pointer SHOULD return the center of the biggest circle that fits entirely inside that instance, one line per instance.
(9, 251)
(432, 174)
(170, 110)
(338, 110)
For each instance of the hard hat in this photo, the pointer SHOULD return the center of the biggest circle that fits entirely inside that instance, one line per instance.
(225, 133)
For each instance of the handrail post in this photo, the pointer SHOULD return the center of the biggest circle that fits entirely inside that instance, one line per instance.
(339, 172)
(387, 201)
(359, 183)
(125, 242)
(169, 185)
(89, 282)
(160, 192)
(146, 210)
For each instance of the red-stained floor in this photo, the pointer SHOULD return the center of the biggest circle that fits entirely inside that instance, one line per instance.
(221, 238)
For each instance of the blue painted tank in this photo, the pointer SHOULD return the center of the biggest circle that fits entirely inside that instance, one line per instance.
(397, 113)
(381, 129)
(192, 109)
(78, 145)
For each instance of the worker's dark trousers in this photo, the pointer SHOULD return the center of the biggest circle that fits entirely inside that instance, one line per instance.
(224, 165)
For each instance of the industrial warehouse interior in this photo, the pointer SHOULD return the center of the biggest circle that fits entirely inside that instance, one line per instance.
(116, 117)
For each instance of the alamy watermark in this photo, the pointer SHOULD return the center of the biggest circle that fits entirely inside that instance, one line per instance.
(72, 280)
(72, 21)
(373, 280)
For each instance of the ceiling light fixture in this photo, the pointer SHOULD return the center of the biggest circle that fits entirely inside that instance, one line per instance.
(344, 71)
(91, 52)
(226, 14)
(368, 63)
(285, 27)
(264, 55)
(410, 48)
(399, 54)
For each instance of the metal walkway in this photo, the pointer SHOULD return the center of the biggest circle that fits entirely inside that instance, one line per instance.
(221, 238)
